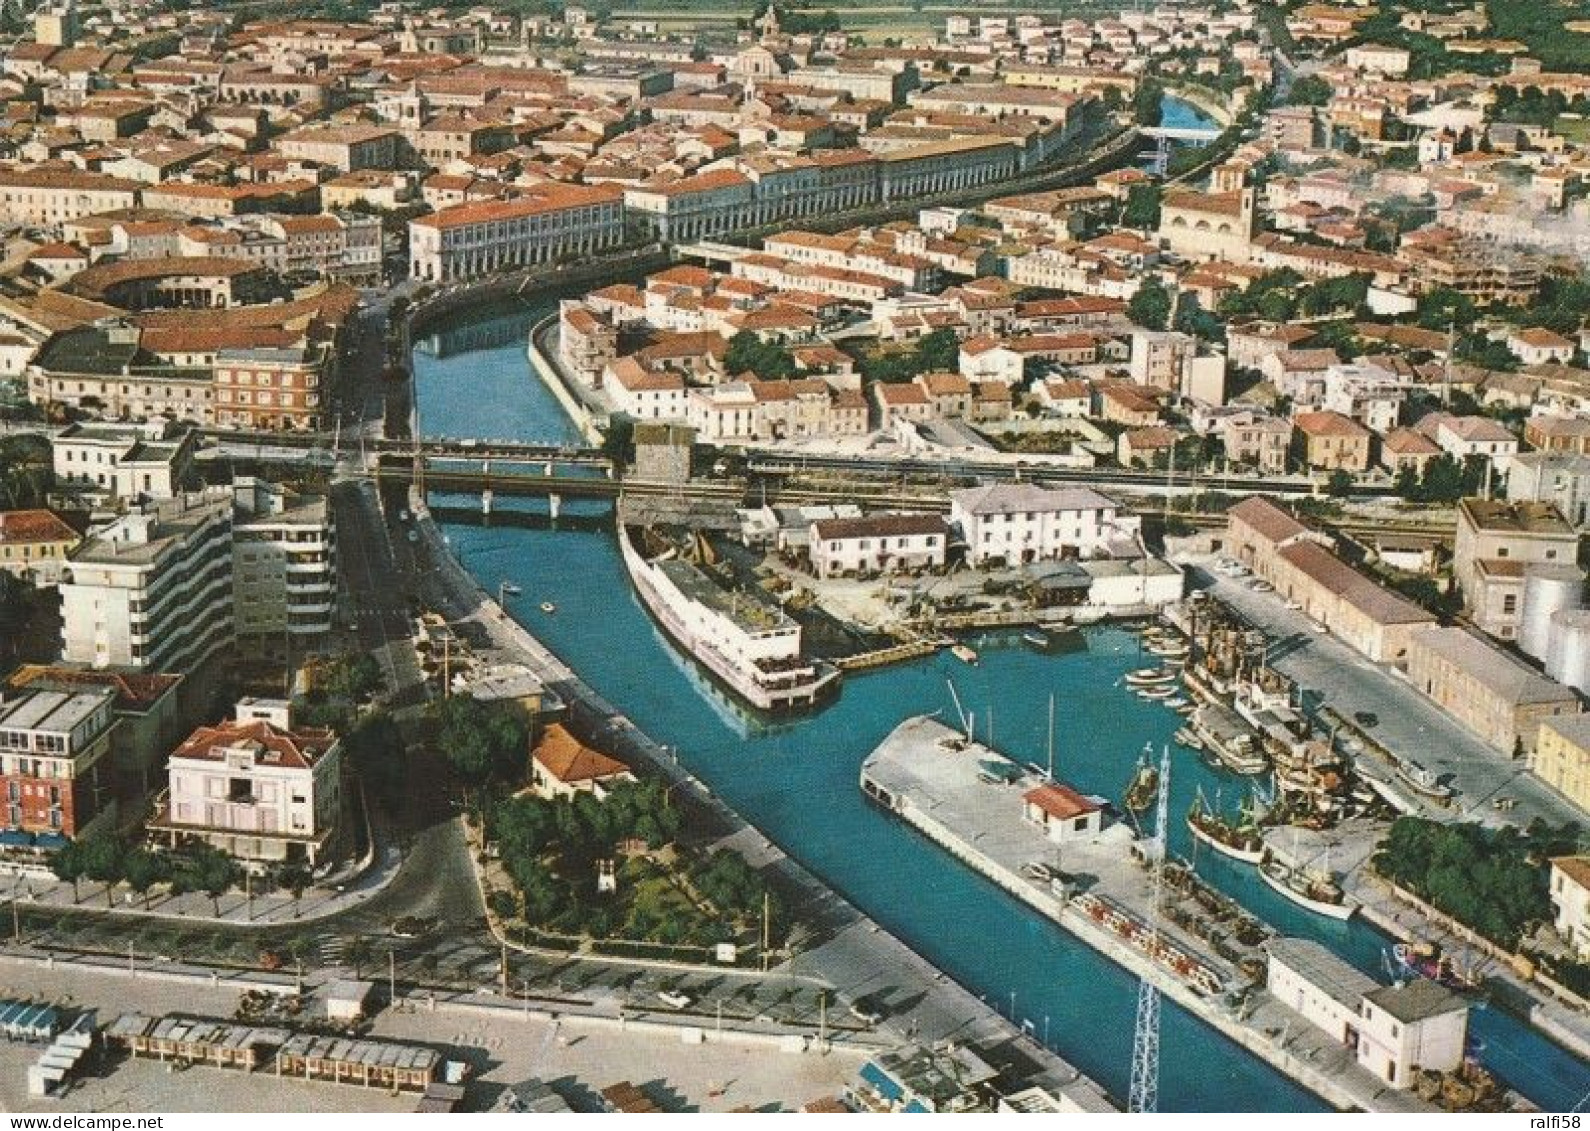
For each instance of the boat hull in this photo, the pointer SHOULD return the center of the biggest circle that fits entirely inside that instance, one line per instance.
(1341, 911)
(1245, 856)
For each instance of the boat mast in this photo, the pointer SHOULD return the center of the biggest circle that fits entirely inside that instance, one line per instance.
(966, 720)
(1051, 736)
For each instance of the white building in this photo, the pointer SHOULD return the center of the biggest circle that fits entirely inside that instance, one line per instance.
(1062, 813)
(1393, 1030)
(1019, 523)
(128, 461)
(877, 544)
(284, 565)
(255, 786)
(152, 591)
(552, 222)
(1367, 394)
(1570, 895)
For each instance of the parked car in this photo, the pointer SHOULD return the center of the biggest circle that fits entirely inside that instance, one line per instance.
(673, 999)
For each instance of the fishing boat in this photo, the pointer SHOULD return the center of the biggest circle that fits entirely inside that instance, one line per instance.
(1168, 650)
(1154, 693)
(1148, 677)
(1315, 891)
(1144, 786)
(1239, 839)
(964, 653)
(1426, 960)
(548, 607)
(510, 589)
(1187, 738)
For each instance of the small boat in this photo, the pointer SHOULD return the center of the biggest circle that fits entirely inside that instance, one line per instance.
(1187, 738)
(548, 607)
(1186, 709)
(1157, 694)
(1176, 702)
(1148, 677)
(1314, 891)
(1426, 960)
(1037, 870)
(1144, 786)
(510, 589)
(964, 653)
(1238, 840)
(1036, 640)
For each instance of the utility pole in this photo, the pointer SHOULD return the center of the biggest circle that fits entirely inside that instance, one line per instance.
(1145, 1042)
(504, 964)
(391, 976)
(767, 912)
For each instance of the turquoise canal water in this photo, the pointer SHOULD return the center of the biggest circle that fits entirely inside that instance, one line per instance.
(798, 781)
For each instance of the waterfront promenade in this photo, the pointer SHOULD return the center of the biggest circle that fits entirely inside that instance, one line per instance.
(850, 952)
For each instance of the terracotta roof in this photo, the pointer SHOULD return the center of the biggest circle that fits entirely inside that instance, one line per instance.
(1266, 519)
(1059, 801)
(17, 527)
(298, 749)
(569, 760)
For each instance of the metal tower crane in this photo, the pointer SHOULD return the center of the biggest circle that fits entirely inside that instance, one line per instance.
(1145, 1043)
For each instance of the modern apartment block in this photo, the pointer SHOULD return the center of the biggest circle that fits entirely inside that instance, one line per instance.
(284, 555)
(152, 591)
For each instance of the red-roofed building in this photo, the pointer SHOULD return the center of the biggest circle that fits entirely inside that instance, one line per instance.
(1062, 813)
(562, 766)
(549, 223)
(33, 539)
(256, 786)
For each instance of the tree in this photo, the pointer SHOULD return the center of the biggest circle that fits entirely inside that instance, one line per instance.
(1148, 103)
(543, 895)
(68, 865)
(1443, 480)
(1340, 484)
(1442, 307)
(142, 871)
(1310, 90)
(205, 868)
(358, 953)
(938, 351)
(1150, 306)
(103, 859)
(353, 675)
(1407, 483)
(480, 740)
(769, 361)
(1142, 207)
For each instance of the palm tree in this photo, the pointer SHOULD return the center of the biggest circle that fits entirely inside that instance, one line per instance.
(357, 953)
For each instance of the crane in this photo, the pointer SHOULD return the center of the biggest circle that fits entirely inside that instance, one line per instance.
(1145, 1042)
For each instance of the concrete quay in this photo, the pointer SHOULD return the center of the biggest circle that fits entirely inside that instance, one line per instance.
(855, 956)
(930, 776)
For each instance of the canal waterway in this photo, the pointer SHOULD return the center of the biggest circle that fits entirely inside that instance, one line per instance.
(797, 780)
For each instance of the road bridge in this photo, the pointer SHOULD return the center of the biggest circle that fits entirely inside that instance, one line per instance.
(1200, 134)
